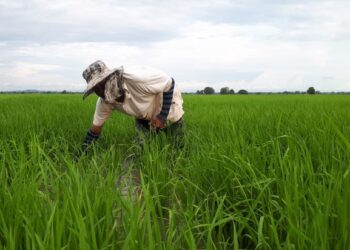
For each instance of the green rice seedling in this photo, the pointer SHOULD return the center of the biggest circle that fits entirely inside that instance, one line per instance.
(256, 172)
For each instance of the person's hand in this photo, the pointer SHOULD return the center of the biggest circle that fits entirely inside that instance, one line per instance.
(157, 123)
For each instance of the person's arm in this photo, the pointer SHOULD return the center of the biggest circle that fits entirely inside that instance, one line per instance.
(102, 112)
(161, 119)
(92, 135)
(167, 99)
(96, 129)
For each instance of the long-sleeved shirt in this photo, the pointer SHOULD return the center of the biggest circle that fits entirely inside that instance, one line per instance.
(144, 89)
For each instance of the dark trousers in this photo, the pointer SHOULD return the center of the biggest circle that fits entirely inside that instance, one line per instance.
(175, 131)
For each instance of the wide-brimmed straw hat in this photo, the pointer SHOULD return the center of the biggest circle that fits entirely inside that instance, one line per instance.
(94, 74)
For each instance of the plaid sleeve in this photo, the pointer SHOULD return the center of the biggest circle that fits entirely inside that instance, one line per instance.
(90, 137)
(167, 99)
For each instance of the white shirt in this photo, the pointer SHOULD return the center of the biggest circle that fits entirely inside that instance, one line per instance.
(144, 87)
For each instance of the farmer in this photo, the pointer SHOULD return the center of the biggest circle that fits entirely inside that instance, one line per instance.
(145, 93)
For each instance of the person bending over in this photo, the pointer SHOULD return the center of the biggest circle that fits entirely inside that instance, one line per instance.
(146, 93)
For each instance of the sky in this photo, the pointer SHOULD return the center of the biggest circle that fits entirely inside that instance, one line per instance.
(255, 45)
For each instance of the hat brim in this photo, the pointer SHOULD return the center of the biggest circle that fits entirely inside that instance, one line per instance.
(96, 81)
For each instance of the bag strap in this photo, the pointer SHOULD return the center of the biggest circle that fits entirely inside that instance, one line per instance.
(119, 73)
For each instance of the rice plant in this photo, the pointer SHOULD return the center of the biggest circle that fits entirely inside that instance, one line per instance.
(256, 172)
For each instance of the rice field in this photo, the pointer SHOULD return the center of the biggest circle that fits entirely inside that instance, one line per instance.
(256, 172)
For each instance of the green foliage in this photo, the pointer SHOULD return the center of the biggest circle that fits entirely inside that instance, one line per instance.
(259, 177)
(209, 91)
(242, 92)
(311, 91)
(224, 90)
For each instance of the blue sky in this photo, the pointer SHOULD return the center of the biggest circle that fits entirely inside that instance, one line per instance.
(256, 45)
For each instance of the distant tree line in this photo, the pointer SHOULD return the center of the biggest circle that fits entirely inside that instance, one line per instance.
(223, 91)
(228, 91)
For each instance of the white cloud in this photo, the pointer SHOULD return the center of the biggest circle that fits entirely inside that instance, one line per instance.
(30, 72)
